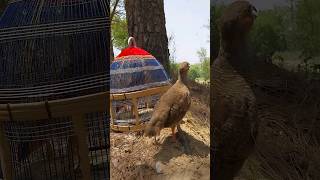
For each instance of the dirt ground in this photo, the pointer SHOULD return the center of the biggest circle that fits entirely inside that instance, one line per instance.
(135, 157)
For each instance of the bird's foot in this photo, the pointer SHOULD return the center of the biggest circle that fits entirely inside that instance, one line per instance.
(179, 128)
(174, 137)
(156, 141)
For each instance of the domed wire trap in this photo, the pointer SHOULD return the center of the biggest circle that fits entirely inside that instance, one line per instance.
(53, 89)
(137, 82)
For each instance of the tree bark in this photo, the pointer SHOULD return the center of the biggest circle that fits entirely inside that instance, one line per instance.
(146, 23)
(111, 51)
(113, 12)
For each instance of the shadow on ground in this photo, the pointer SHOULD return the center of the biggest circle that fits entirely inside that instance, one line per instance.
(187, 144)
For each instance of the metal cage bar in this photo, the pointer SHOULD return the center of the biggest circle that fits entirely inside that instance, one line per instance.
(133, 97)
(54, 61)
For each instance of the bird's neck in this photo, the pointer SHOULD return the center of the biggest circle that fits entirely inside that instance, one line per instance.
(236, 55)
(232, 48)
(182, 77)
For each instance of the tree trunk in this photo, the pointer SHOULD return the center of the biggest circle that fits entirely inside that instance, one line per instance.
(146, 23)
(111, 52)
(113, 12)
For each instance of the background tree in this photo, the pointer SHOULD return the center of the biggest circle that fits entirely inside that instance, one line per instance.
(267, 36)
(204, 64)
(291, 32)
(119, 33)
(194, 72)
(200, 72)
(308, 26)
(146, 22)
(174, 66)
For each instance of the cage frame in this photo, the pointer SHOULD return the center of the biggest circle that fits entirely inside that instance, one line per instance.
(133, 96)
(56, 97)
(75, 107)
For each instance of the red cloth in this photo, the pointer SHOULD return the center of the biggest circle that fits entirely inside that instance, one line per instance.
(131, 51)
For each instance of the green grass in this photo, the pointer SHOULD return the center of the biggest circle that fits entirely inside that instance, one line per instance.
(292, 60)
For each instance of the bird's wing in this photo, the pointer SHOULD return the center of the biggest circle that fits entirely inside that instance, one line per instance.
(161, 111)
(179, 107)
(235, 125)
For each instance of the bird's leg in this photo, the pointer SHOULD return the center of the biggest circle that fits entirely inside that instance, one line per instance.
(179, 128)
(157, 134)
(174, 134)
(155, 139)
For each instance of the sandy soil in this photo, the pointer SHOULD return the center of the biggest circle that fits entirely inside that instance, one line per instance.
(134, 157)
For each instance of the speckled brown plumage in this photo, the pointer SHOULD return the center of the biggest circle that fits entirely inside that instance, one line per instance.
(172, 105)
(234, 104)
(249, 96)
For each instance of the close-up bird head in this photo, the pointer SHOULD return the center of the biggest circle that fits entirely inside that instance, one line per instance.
(184, 67)
(237, 20)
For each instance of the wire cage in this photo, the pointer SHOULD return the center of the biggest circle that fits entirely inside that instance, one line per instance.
(54, 83)
(137, 82)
